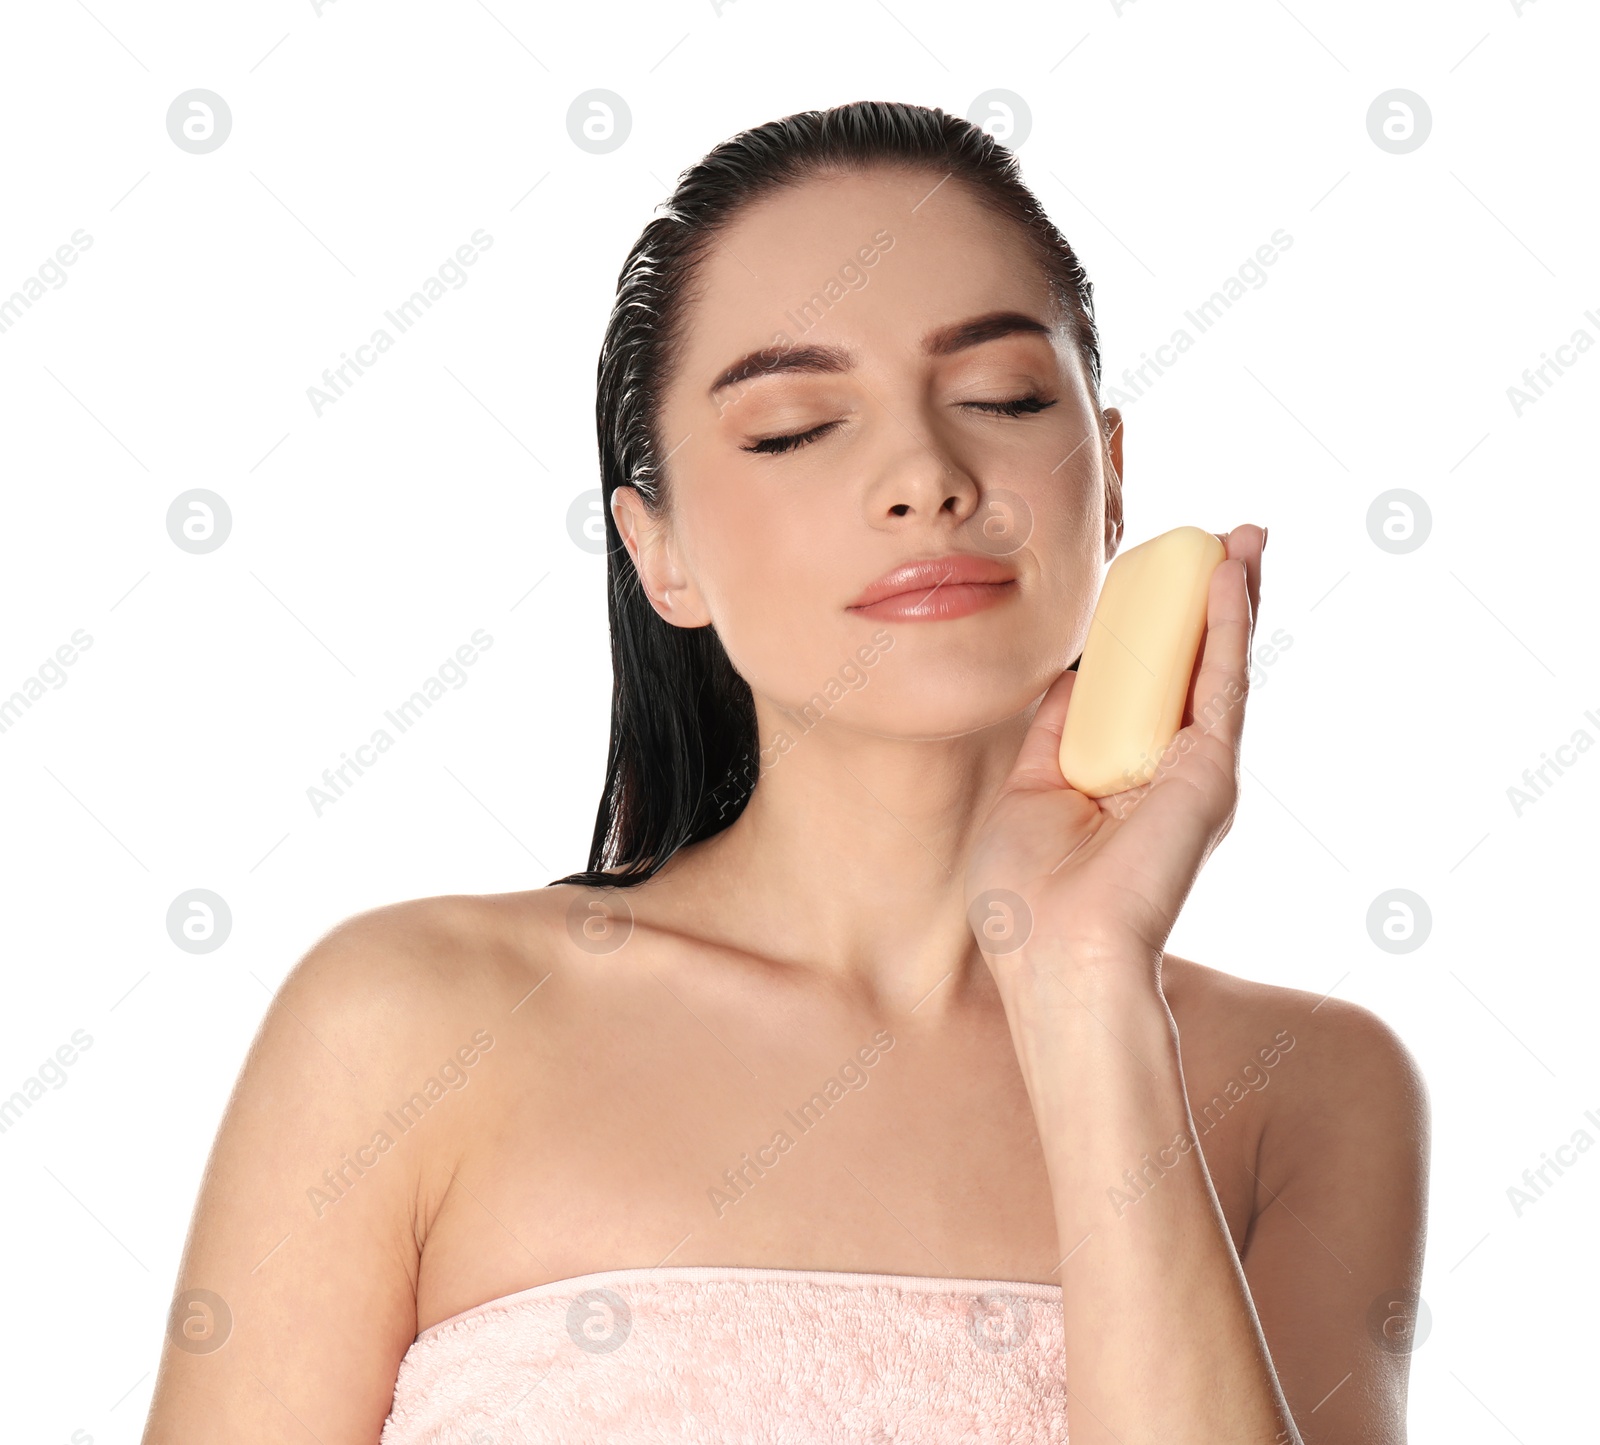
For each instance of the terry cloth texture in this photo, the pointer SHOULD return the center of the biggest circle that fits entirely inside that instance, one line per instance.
(711, 1355)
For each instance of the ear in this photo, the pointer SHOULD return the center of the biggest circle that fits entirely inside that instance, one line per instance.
(1113, 481)
(648, 537)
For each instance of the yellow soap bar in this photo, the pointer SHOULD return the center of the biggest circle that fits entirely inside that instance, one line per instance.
(1127, 703)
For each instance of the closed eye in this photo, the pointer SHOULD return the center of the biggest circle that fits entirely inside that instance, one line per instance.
(1017, 407)
(773, 445)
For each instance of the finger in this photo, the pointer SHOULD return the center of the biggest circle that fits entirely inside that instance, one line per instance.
(1245, 544)
(1222, 681)
(1038, 762)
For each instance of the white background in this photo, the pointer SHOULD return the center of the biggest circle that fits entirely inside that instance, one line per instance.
(367, 544)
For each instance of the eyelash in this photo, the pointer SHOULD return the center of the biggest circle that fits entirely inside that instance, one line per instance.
(1017, 407)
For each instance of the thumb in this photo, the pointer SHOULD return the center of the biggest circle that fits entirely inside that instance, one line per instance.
(1038, 764)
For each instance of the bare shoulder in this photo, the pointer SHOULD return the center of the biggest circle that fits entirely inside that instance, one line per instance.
(1332, 1177)
(385, 1021)
(464, 955)
(423, 972)
(391, 1004)
(1335, 1067)
(434, 948)
(305, 1242)
(397, 990)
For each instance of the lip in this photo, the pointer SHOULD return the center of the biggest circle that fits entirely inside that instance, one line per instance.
(953, 585)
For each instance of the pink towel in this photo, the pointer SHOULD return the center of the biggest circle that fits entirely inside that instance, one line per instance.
(721, 1355)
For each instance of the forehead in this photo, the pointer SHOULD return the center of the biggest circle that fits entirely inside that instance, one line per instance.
(879, 257)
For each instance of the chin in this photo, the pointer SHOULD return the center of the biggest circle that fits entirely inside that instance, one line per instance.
(950, 705)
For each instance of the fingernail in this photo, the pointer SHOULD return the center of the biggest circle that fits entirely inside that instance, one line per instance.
(1264, 532)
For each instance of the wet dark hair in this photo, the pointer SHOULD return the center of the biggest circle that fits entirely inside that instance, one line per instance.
(683, 758)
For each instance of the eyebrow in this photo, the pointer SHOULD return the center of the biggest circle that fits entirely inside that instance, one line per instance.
(831, 360)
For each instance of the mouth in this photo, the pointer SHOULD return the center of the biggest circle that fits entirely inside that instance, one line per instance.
(938, 589)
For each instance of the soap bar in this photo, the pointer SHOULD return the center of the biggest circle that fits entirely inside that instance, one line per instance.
(1133, 677)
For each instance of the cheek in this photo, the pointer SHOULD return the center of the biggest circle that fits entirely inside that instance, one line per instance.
(1069, 546)
(771, 582)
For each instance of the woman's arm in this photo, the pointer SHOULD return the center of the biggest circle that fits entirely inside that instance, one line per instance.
(1163, 1340)
(304, 1230)
(1167, 1336)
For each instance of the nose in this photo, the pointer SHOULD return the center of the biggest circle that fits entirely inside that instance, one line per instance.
(919, 482)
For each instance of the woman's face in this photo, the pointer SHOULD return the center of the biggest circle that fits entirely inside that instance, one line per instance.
(852, 293)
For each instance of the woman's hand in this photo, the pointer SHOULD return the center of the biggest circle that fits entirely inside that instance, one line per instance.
(1103, 879)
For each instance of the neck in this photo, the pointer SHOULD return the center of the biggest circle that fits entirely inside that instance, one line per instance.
(852, 852)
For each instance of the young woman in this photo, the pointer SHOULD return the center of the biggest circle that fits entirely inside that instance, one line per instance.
(851, 1093)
